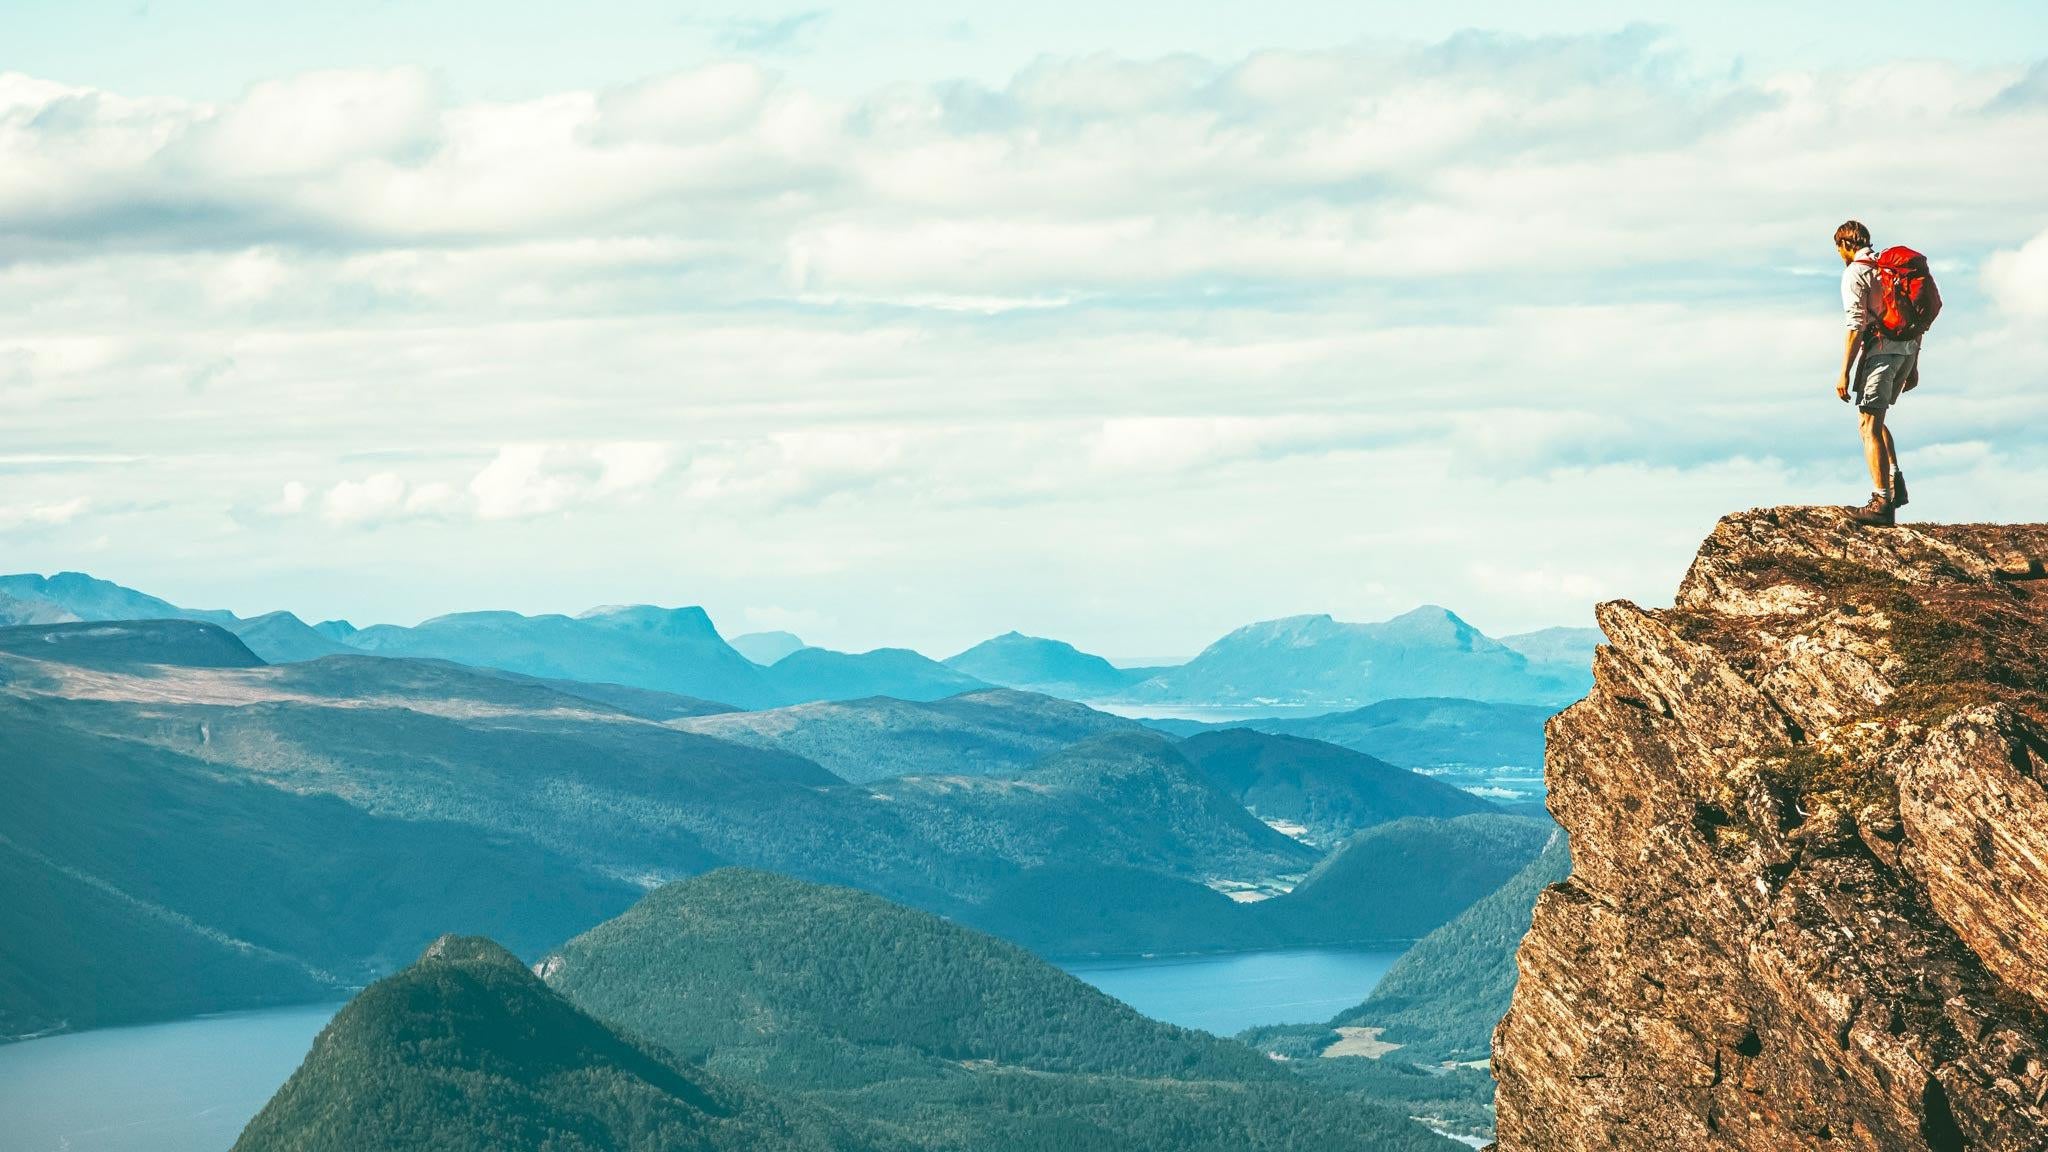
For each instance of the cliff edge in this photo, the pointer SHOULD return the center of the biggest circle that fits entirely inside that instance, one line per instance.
(1808, 906)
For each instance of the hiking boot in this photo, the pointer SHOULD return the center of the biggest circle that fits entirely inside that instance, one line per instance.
(1879, 512)
(1898, 490)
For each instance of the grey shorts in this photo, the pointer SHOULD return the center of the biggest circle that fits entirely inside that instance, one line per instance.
(1880, 377)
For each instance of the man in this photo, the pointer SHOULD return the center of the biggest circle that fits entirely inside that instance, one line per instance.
(1876, 369)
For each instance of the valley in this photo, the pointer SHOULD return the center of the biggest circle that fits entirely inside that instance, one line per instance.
(229, 833)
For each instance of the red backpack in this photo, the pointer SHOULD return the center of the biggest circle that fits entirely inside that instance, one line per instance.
(1907, 299)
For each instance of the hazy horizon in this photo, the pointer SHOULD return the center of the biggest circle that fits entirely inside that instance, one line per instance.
(1119, 659)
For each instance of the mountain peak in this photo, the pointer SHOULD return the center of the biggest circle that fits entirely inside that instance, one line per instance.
(1429, 613)
(690, 620)
(476, 950)
(1807, 817)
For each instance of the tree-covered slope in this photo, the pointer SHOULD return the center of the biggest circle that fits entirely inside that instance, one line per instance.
(466, 1051)
(1332, 791)
(1430, 732)
(989, 732)
(821, 985)
(232, 893)
(1183, 814)
(1402, 880)
(80, 953)
(951, 1038)
(1441, 1000)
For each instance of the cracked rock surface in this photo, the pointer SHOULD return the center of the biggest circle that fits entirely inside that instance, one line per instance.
(1808, 809)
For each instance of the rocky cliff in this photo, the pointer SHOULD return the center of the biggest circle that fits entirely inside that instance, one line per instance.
(1808, 906)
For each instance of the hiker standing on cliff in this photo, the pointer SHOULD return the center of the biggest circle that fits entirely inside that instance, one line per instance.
(1890, 300)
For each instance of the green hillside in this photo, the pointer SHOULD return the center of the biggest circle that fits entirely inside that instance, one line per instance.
(990, 732)
(1430, 732)
(70, 939)
(1402, 880)
(1331, 791)
(818, 985)
(1072, 910)
(1442, 999)
(466, 1050)
(950, 1037)
(186, 892)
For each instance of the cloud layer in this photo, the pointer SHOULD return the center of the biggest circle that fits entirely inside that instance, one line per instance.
(1126, 350)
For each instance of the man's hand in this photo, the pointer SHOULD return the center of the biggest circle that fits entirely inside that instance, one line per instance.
(1842, 386)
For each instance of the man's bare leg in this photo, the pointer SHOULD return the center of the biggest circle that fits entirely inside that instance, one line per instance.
(1877, 451)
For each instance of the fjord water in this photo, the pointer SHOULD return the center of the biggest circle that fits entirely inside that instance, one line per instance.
(1228, 994)
(187, 1086)
(191, 1085)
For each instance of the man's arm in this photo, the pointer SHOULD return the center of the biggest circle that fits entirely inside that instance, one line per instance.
(1854, 288)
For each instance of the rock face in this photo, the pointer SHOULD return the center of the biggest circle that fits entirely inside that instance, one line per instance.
(1808, 906)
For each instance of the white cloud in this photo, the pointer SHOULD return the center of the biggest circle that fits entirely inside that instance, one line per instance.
(526, 480)
(359, 501)
(517, 483)
(629, 465)
(312, 125)
(60, 512)
(291, 499)
(2018, 279)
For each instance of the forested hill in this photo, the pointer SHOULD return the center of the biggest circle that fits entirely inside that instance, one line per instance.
(467, 1050)
(955, 1039)
(824, 984)
(1441, 1000)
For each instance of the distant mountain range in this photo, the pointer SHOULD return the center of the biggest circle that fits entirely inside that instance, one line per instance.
(1315, 660)
(1311, 661)
(670, 650)
(742, 1010)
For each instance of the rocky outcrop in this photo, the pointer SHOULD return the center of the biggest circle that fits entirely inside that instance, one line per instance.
(1808, 906)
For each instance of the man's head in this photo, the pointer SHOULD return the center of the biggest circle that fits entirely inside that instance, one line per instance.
(1852, 237)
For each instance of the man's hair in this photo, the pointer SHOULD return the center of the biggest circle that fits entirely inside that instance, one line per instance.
(1852, 234)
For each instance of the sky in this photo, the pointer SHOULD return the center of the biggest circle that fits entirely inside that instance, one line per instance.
(909, 323)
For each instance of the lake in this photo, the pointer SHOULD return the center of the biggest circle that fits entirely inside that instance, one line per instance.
(187, 1086)
(1228, 994)
(191, 1085)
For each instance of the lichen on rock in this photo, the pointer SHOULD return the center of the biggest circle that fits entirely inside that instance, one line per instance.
(1808, 906)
